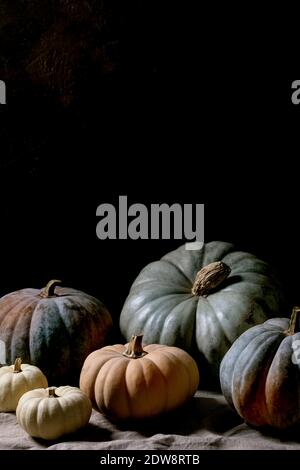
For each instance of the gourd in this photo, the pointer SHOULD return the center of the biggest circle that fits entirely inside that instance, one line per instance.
(54, 328)
(52, 412)
(201, 300)
(260, 374)
(17, 379)
(132, 382)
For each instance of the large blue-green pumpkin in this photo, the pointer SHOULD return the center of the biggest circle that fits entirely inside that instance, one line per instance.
(166, 305)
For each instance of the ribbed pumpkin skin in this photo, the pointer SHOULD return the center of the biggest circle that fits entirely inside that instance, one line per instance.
(258, 376)
(124, 388)
(51, 418)
(56, 333)
(13, 385)
(160, 303)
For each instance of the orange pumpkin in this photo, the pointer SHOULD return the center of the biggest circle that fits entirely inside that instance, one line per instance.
(131, 382)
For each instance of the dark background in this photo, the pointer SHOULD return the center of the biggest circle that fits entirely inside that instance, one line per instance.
(104, 100)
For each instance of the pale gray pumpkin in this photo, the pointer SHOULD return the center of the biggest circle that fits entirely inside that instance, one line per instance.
(173, 305)
(260, 374)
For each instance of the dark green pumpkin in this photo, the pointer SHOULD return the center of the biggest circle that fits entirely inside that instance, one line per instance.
(170, 304)
(55, 328)
(260, 374)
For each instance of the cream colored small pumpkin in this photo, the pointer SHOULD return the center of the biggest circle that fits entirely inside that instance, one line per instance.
(52, 412)
(17, 379)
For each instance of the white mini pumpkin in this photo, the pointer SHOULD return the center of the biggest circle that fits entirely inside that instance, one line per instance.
(52, 412)
(17, 379)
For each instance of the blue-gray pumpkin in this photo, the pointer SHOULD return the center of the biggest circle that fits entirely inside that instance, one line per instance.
(201, 300)
(54, 328)
(260, 374)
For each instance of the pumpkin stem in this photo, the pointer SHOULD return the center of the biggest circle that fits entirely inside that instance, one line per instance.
(294, 326)
(134, 348)
(210, 277)
(51, 392)
(17, 365)
(48, 291)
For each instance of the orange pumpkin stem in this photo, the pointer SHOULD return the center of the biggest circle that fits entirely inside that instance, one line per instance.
(134, 348)
(210, 277)
(294, 326)
(49, 290)
(17, 365)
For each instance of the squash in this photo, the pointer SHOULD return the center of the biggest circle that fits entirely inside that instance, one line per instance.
(129, 382)
(52, 412)
(260, 374)
(17, 379)
(201, 300)
(54, 328)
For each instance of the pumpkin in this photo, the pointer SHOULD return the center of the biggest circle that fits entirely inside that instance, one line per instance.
(260, 374)
(49, 413)
(201, 300)
(54, 328)
(131, 382)
(17, 379)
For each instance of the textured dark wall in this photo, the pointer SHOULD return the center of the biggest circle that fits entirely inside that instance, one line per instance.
(106, 98)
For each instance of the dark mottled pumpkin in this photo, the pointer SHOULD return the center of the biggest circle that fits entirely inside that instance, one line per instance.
(260, 374)
(201, 300)
(54, 328)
